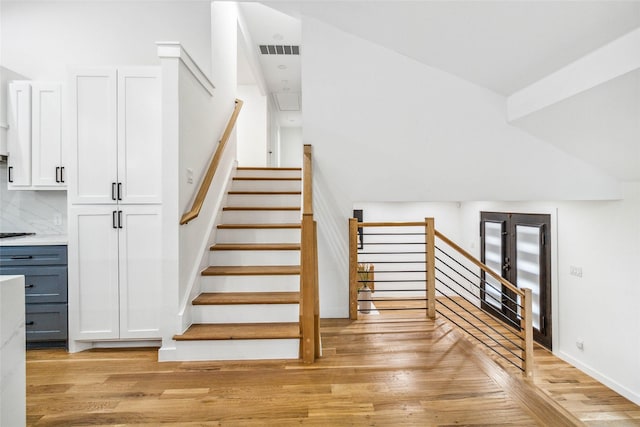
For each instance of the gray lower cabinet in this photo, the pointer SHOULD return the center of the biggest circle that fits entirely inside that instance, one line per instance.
(45, 271)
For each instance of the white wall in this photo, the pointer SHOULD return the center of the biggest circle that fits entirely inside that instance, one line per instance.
(252, 127)
(40, 39)
(291, 146)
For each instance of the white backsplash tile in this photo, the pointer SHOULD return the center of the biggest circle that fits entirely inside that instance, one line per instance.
(42, 212)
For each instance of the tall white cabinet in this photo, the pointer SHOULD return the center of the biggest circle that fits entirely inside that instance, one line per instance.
(114, 193)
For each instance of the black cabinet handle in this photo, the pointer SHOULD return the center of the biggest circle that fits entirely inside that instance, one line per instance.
(119, 219)
(28, 286)
(62, 174)
(114, 219)
(22, 257)
(10, 175)
(113, 191)
(58, 174)
(30, 323)
(119, 191)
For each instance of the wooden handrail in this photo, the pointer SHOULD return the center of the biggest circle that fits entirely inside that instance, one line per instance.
(307, 173)
(482, 266)
(213, 166)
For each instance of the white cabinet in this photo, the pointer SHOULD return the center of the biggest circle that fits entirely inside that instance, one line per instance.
(35, 146)
(116, 136)
(114, 272)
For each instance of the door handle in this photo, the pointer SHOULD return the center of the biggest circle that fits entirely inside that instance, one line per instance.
(30, 323)
(9, 173)
(28, 286)
(114, 219)
(119, 219)
(113, 191)
(62, 174)
(119, 191)
(22, 257)
(57, 174)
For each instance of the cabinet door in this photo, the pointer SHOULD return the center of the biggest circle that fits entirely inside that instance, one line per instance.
(93, 273)
(139, 136)
(19, 135)
(93, 151)
(140, 244)
(47, 135)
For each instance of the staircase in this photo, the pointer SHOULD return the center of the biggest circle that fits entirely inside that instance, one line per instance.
(249, 305)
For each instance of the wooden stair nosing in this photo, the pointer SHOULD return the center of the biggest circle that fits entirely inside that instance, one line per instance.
(260, 226)
(266, 178)
(246, 298)
(265, 193)
(261, 208)
(252, 270)
(239, 331)
(262, 168)
(255, 247)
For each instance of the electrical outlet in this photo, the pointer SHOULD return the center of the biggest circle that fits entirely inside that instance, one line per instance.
(580, 345)
(575, 271)
(189, 176)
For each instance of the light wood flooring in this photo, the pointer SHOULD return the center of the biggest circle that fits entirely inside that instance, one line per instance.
(377, 372)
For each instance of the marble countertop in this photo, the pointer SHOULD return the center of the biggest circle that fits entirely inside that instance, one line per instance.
(36, 240)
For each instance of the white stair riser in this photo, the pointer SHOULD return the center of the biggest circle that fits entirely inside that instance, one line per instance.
(246, 313)
(250, 283)
(260, 217)
(254, 257)
(266, 185)
(233, 350)
(258, 235)
(269, 173)
(264, 200)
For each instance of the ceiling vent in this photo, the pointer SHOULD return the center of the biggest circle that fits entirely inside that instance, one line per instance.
(279, 49)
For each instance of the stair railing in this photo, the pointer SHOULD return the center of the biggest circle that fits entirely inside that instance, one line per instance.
(413, 273)
(213, 166)
(310, 347)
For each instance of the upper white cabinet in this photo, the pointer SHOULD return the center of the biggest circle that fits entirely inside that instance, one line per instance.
(34, 143)
(115, 136)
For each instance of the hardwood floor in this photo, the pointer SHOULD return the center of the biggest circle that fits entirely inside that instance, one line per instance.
(376, 372)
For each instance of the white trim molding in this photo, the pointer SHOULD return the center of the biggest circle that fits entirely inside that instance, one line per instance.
(176, 50)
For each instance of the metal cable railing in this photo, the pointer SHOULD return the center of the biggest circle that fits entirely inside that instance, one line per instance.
(402, 269)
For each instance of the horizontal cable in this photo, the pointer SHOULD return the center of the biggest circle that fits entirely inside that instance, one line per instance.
(479, 319)
(392, 253)
(485, 281)
(395, 243)
(394, 299)
(390, 262)
(393, 234)
(467, 290)
(392, 309)
(482, 342)
(394, 281)
(400, 290)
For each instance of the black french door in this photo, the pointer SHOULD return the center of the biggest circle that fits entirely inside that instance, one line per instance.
(517, 247)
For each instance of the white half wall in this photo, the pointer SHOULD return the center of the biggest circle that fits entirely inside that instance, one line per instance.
(41, 39)
(252, 127)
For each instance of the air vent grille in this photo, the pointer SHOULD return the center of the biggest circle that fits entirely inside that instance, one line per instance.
(279, 49)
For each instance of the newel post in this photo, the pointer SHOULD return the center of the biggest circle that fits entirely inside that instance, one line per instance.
(527, 325)
(353, 268)
(431, 267)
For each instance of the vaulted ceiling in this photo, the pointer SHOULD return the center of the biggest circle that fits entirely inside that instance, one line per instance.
(506, 46)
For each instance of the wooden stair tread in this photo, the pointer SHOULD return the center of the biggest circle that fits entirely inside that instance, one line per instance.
(262, 168)
(265, 193)
(266, 178)
(219, 298)
(240, 331)
(255, 247)
(261, 208)
(249, 226)
(252, 270)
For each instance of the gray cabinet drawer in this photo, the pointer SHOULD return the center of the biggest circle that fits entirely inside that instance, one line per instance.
(46, 322)
(32, 255)
(45, 284)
